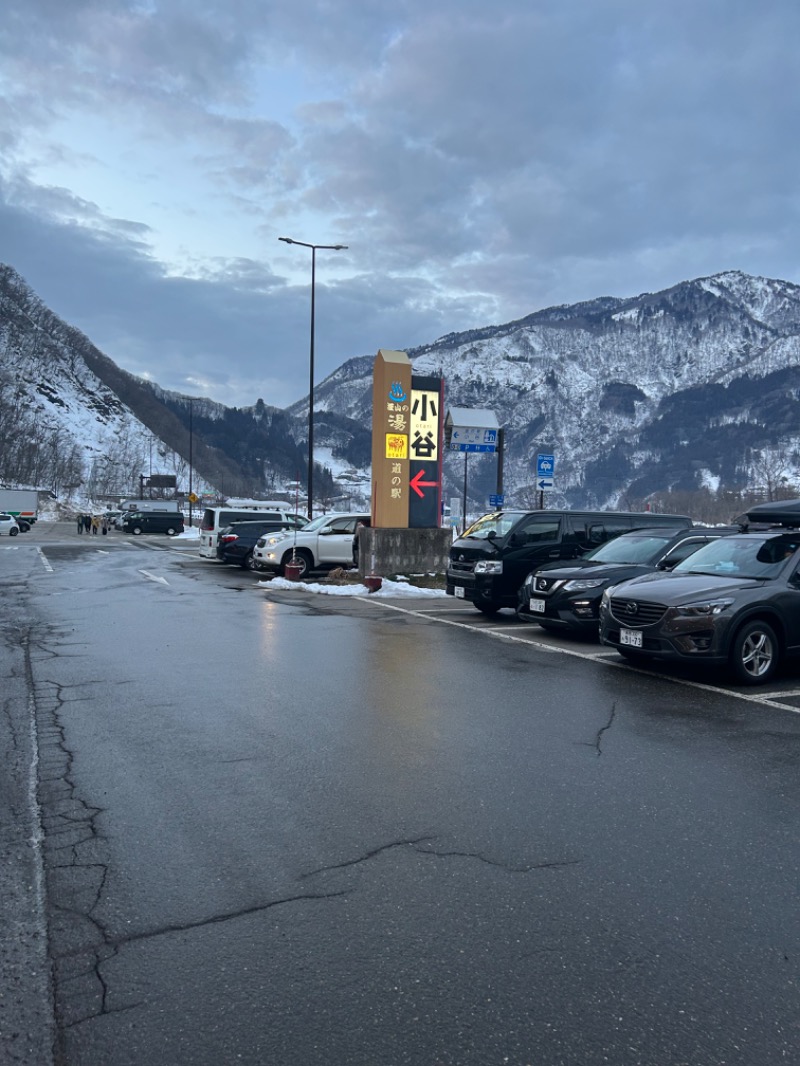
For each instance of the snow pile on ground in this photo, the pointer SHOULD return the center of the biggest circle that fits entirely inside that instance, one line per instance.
(388, 588)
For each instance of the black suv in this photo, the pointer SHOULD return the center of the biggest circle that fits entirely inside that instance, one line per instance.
(235, 542)
(736, 601)
(568, 597)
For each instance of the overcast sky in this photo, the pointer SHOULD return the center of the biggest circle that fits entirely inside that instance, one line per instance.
(480, 160)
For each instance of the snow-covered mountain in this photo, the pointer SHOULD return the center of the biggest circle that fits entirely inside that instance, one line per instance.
(696, 385)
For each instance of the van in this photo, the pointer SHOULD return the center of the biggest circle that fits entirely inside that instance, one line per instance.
(490, 561)
(216, 518)
(138, 522)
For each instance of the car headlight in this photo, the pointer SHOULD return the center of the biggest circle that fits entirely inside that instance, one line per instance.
(706, 609)
(606, 597)
(274, 540)
(579, 584)
(489, 566)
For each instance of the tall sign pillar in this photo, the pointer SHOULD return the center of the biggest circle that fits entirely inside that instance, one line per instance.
(425, 467)
(391, 421)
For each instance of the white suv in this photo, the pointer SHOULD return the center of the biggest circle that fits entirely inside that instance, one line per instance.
(8, 524)
(324, 543)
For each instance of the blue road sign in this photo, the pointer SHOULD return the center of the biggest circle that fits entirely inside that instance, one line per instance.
(545, 465)
(473, 439)
(496, 501)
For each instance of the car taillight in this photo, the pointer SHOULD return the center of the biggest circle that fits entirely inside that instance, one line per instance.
(229, 538)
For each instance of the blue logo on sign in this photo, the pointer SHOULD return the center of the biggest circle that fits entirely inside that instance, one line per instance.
(397, 392)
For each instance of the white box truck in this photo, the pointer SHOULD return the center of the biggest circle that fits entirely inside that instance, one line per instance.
(21, 503)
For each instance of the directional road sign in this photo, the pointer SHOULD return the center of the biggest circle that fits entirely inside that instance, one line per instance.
(473, 439)
(544, 483)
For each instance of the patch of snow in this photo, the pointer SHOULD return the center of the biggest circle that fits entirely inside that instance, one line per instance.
(709, 480)
(388, 588)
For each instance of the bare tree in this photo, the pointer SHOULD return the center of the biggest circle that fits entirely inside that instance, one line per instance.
(774, 473)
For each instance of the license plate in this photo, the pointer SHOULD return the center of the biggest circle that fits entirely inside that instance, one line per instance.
(459, 593)
(631, 637)
(536, 606)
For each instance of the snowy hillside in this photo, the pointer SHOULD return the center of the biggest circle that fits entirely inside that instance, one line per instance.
(63, 426)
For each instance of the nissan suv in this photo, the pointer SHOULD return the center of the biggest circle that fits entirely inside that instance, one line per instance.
(735, 602)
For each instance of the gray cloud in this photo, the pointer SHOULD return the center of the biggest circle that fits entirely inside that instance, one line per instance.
(480, 162)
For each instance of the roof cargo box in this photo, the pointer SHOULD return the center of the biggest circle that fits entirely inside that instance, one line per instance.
(774, 513)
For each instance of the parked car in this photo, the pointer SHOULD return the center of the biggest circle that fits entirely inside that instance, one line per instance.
(236, 542)
(142, 522)
(491, 560)
(736, 601)
(568, 597)
(8, 524)
(325, 542)
(217, 518)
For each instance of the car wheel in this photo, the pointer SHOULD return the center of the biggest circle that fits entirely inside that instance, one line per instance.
(137, 531)
(488, 608)
(251, 563)
(754, 653)
(171, 531)
(13, 532)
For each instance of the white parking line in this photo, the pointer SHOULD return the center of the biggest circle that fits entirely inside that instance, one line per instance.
(45, 561)
(763, 700)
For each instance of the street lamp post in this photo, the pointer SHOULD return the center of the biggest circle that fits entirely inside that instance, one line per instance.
(314, 248)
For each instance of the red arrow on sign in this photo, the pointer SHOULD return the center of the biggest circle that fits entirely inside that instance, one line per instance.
(416, 484)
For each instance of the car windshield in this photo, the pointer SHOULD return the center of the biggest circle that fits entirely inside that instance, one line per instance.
(316, 523)
(748, 556)
(499, 522)
(628, 549)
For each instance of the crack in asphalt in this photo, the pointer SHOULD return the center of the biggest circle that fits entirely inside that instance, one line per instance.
(367, 855)
(414, 844)
(598, 740)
